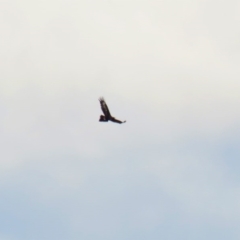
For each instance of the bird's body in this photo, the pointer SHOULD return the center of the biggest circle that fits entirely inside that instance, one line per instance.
(107, 115)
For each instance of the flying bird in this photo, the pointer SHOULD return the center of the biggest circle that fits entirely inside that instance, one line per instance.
(107, 115)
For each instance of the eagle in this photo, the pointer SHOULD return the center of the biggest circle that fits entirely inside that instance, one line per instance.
(107, 115)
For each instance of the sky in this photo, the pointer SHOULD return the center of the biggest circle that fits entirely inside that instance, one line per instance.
(171, 69)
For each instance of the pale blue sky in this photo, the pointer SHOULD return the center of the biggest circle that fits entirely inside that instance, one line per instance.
(171, 69)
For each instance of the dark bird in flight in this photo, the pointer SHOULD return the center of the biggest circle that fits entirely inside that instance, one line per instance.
(107, 115)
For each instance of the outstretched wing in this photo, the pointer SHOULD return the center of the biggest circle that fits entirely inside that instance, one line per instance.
(116, 120)
(104, 108)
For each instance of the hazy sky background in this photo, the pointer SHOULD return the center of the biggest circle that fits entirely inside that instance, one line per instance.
(171, 69)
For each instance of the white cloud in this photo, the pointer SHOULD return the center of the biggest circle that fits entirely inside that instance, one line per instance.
(170, 68)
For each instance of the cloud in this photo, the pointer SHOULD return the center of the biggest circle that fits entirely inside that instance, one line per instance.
(170, 69)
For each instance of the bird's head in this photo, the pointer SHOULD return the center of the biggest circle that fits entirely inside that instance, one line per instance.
(102, 118)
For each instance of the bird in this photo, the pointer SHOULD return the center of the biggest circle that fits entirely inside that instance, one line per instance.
(107, 115)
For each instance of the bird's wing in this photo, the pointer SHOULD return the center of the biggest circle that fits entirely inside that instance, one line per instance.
(104, 108)
(116, 120)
